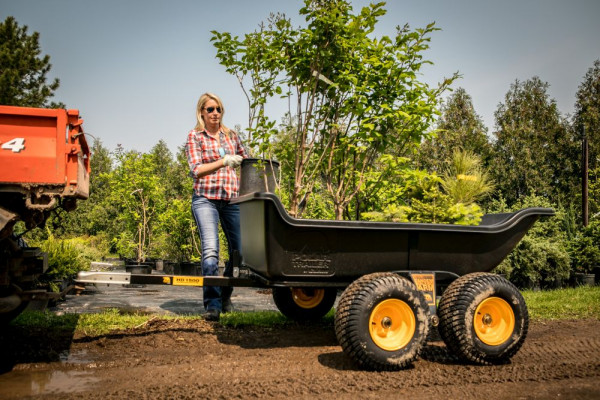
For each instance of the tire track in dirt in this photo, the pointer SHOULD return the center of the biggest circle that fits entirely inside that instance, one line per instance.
(200, 360)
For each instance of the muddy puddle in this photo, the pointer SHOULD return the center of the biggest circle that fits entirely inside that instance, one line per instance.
(73, 370)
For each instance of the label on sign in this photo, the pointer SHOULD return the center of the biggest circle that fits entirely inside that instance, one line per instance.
(188, 281)
(426, 284)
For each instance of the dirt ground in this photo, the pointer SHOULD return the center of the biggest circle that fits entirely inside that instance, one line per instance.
(195, 359)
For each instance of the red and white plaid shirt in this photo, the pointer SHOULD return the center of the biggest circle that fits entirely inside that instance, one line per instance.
(200, 148)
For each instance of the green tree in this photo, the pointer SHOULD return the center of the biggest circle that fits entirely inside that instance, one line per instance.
(139, 194)
(587, 116)
(594, 192)
(459, 127)
(97, 215)
(352, 96)
(533, 152)
(465, 180)
(176, 235)
(22, 68)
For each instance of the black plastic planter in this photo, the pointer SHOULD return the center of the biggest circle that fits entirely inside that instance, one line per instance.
(258, 175)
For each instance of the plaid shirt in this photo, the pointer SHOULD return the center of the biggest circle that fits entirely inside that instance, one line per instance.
(200, 148)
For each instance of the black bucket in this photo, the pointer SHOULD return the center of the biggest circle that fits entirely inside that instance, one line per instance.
(190, 268)
(139, 269)
(258, 175)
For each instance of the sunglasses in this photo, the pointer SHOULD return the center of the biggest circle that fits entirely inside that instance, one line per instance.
(211, 109)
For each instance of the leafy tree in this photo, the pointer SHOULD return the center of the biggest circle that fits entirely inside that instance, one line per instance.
(22, 69)
(352, 96)
(97, 214)
(533, 151)
(177, 237)
(587, 116)
(140, 195)
(459, 127)
(180, 182)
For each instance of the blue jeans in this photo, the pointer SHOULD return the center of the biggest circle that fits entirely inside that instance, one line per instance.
(207, 214)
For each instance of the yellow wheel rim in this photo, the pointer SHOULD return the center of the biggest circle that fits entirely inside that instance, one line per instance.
(392, 324)
(494, 321)
(308, 297)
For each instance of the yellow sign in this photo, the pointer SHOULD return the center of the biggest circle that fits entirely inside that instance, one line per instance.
(188, 281)
(426, 284)
(166, 280)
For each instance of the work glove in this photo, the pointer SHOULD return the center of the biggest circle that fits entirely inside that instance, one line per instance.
(233, 161)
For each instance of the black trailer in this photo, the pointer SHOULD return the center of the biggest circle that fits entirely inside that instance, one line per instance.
(397, 280)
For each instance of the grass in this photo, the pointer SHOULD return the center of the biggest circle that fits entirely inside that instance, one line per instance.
(93, 324)
(571, 303)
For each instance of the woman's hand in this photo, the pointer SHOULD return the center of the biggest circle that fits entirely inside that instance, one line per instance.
(233, 161)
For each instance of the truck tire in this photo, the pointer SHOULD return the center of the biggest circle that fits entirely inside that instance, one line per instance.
(304, 304)
(382, 321)
(483, 318)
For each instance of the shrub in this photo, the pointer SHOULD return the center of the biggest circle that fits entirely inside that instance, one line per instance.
(537, 261)
(66, 257)
(585, 248)
(428, 204)
(541, 258)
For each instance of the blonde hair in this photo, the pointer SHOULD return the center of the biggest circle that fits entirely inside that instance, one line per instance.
(201, 102)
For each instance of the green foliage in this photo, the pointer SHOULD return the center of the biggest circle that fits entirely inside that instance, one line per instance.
(585, 248)
(22, 70)
(437, 207)
(594, 191)
(124, 244)
(417, 196)
(459, 127)
(140, 193)
(66, 257)
(177, 239)
(139, 206)
(541, 258)
(465, 180)
(534, 151)
(355, 95)
(587, 114)
(428, 204)
(537, 261)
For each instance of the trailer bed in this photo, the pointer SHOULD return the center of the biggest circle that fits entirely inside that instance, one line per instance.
(279, 247)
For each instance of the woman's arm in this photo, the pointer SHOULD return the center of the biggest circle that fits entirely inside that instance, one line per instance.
(193, 151)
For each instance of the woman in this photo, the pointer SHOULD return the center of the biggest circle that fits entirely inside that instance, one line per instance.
(213, 152)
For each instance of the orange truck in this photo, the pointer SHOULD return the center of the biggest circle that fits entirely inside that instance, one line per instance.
(44, 164)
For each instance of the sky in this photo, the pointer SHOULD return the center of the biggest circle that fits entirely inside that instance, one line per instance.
(135, 69)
